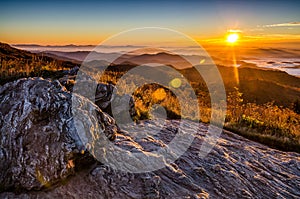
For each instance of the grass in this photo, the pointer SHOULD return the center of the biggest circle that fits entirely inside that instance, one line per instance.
(11, 70)
(268, 123)
(15, 64)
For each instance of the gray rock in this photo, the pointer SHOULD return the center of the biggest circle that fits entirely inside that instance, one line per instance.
(118, 106)
(68, 82)
(39, 142)
(235, 168)
(104, 95)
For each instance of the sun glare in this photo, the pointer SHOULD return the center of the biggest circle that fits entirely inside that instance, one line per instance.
(232, 37)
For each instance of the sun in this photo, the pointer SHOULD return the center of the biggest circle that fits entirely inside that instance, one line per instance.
(232, 38)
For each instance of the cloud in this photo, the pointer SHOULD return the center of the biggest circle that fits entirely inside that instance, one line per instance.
(234, 31)
(296, 23)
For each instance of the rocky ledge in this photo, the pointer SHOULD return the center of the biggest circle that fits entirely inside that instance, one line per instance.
(39, 142)
(42, 157)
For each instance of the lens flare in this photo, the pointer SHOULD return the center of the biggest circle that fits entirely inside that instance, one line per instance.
(159, 94)
(175, 83)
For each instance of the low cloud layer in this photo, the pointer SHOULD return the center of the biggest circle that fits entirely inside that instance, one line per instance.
(296, 23)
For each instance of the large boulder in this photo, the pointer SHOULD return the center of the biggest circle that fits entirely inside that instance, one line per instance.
(120, 107)
(39, 143)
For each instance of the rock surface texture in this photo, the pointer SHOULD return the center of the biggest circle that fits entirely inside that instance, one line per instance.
(36, 139)
(104, 96)
(39, 143)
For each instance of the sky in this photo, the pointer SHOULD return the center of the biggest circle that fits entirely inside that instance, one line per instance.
(90, 22)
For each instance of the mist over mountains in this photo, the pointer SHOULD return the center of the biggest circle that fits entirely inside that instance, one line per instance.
(283, 59)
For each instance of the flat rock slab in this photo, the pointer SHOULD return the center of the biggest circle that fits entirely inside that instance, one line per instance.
(235, 168)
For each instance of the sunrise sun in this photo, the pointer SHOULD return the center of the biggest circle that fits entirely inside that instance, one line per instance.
(232, 37)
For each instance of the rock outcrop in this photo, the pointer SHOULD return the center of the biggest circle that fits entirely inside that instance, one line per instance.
(120, 107)
(104, 96)
(39, 142)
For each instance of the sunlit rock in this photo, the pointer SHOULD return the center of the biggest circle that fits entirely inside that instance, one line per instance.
(39, 142)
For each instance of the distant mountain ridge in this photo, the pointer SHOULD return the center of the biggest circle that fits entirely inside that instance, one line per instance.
(258, 85)
(178, 61)
(8, 52)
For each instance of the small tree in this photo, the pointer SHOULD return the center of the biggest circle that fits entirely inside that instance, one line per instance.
(234, 105)
(296, 106)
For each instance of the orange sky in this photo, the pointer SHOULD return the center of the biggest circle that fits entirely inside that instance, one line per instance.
(91, 22)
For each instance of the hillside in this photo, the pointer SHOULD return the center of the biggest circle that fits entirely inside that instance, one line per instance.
(15, 64)
(257, 85)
